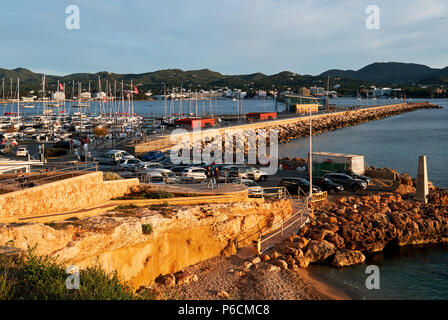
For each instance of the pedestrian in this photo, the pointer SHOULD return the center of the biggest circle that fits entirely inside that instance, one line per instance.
(216, 176)
(208, 173)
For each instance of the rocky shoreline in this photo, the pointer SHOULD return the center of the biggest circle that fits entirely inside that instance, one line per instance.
(332, 122)
(342, 232)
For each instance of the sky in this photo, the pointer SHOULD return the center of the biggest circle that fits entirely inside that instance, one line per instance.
(228, 36)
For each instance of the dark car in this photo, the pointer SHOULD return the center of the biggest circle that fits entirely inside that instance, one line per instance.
(178, 169)
(347, 181)
(62, 145)
(356, 176)
(297, 185)
(327, 184)
(152, 156)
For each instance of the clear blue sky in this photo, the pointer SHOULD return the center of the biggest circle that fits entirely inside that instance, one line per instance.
(228, 36)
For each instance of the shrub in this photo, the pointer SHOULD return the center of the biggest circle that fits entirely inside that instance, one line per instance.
(42, 278)
(6, 290)
(147, 228)
(55, 152)
(159, 194)
(109, 176)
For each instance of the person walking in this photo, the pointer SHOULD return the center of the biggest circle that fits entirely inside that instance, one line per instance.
(216, 176)
(208, 173)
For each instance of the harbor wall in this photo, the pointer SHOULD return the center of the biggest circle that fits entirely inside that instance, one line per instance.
(61, 196)
(166, 142)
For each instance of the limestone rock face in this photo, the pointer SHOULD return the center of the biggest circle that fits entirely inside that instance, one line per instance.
(344, 258)
(188, 235)
(318, 251)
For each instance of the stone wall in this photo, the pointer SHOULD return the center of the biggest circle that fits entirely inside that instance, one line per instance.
(62, 196)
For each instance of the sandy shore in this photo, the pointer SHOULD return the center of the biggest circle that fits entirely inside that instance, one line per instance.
(225, 274)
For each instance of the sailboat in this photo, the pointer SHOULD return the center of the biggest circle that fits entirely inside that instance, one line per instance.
(357, 94)
(80, 104)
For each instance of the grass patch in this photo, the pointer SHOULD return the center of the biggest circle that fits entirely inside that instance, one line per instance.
(164, 209)
(124, 210)
(62, 225)
(187, 195)
(158, 194)
(147, 229)
(43, 278)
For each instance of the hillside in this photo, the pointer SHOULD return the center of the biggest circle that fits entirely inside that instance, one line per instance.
(379, 73)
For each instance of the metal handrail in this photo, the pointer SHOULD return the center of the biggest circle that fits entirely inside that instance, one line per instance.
(282, 223)
(21, 181)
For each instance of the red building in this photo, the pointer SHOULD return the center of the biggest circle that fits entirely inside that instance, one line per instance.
(195, 123)
(253, 116)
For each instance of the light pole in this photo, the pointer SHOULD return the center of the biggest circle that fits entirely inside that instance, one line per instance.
(310, 160)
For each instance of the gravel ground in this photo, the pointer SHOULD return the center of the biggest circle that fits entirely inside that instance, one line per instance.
(224, 274)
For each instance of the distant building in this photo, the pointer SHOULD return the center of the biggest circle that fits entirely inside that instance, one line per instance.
(58, 96)
(301, 104)
(304, 92)
(317, 91)
(99, 95)
(86, 96)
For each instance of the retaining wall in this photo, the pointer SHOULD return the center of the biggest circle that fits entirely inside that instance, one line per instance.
(62, 196)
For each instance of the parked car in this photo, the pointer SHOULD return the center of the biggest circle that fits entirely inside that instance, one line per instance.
(147, 165)
(22, 152)
(170, 178)
(129, 164)
(152, 156)
(327, 185)
(113, 156)
(178, 169)
(356, 176)
(161, 170)
(62, 145)
(195, 174)
(297, 185)
(347, 181)
(254, 189)
(155, 177)
(250, 173)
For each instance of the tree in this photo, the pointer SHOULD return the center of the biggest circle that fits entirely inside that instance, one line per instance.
(11, 129)
(100, 132)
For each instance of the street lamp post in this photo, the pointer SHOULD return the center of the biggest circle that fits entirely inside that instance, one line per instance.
(310, 160)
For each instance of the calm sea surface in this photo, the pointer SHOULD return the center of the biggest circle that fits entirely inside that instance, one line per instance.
(396, 142)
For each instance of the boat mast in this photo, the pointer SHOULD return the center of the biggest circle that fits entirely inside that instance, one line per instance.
(164, 101)
(18, 97)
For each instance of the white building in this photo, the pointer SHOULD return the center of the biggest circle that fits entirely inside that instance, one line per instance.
(86, 96)
(58, 96)
(99, 95)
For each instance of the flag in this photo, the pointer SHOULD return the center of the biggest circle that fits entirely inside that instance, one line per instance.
(135, 90)
(61, 86)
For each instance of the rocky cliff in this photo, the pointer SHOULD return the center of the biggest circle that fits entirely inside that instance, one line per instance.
(142, 243)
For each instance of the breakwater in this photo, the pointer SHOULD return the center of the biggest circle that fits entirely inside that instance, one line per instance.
(288, 129)
(329, 122)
